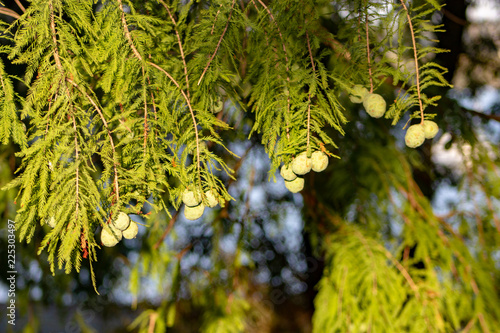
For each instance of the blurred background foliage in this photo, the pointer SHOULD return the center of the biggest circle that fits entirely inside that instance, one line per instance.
(384, 227)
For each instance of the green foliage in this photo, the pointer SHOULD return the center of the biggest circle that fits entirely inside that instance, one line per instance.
(127, 105)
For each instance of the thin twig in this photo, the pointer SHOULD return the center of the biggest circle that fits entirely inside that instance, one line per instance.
(167, 230)
(139, 57)
(190, 110)
(54, 38)
(309, 95)
(101, 115)
(152, 321)
(372, 262)
(288, 96)
(145, 118)
(341, 292)
(20, 5)
(483, 323)
(469, 325)
(184, 251)
(403, 271)
(154, 110)
(284, 52)
(127, 32)
(215, 20)
(180, 45)
(368, 52)
(77, 171)
(218, 44)
(281, 37)
(77, 148)
(9, 12)
(454, 18)
(482, 115)
(308, 121)
(334, 44)
(137, 54)
(310, 52)
(416, 62)
(279, 32)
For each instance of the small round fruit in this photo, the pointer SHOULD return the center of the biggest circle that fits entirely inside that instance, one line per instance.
(295, 185)
(374, 105)
(287, 173)
(430, 129)
(211, 198)
(108, 238)
(131, 231)
(358, 94)
(190, 199)
(122, 221)
(319, 161)
(301, 164)
(194, 213)
(415, 136)
(51, 221)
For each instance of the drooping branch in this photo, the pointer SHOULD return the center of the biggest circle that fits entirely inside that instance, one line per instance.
(154, 109)
(145, 118)
(180, 45)
(279, 33)
(186, 98)
(167, 230)
(77, 147)
(402, 270)
(308, 121)
(415, 56)
(215, 20)
(482, 115)
(309, 95)
(218, 43)
(310, 53)
(127, 32)
(9, 12)
(20, 5)
(284, 52)
(368, 52)
(77, 171)
(54, 37)
(139, 57)
(105, 123)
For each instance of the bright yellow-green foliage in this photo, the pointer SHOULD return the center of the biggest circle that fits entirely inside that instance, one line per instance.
(125, 107)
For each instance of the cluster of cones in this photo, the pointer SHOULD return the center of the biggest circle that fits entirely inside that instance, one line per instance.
(301, 164)
(375, 106)
(194, 206)
(121, 227)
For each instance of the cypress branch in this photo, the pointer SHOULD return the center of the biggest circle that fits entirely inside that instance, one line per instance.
(416, 61)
